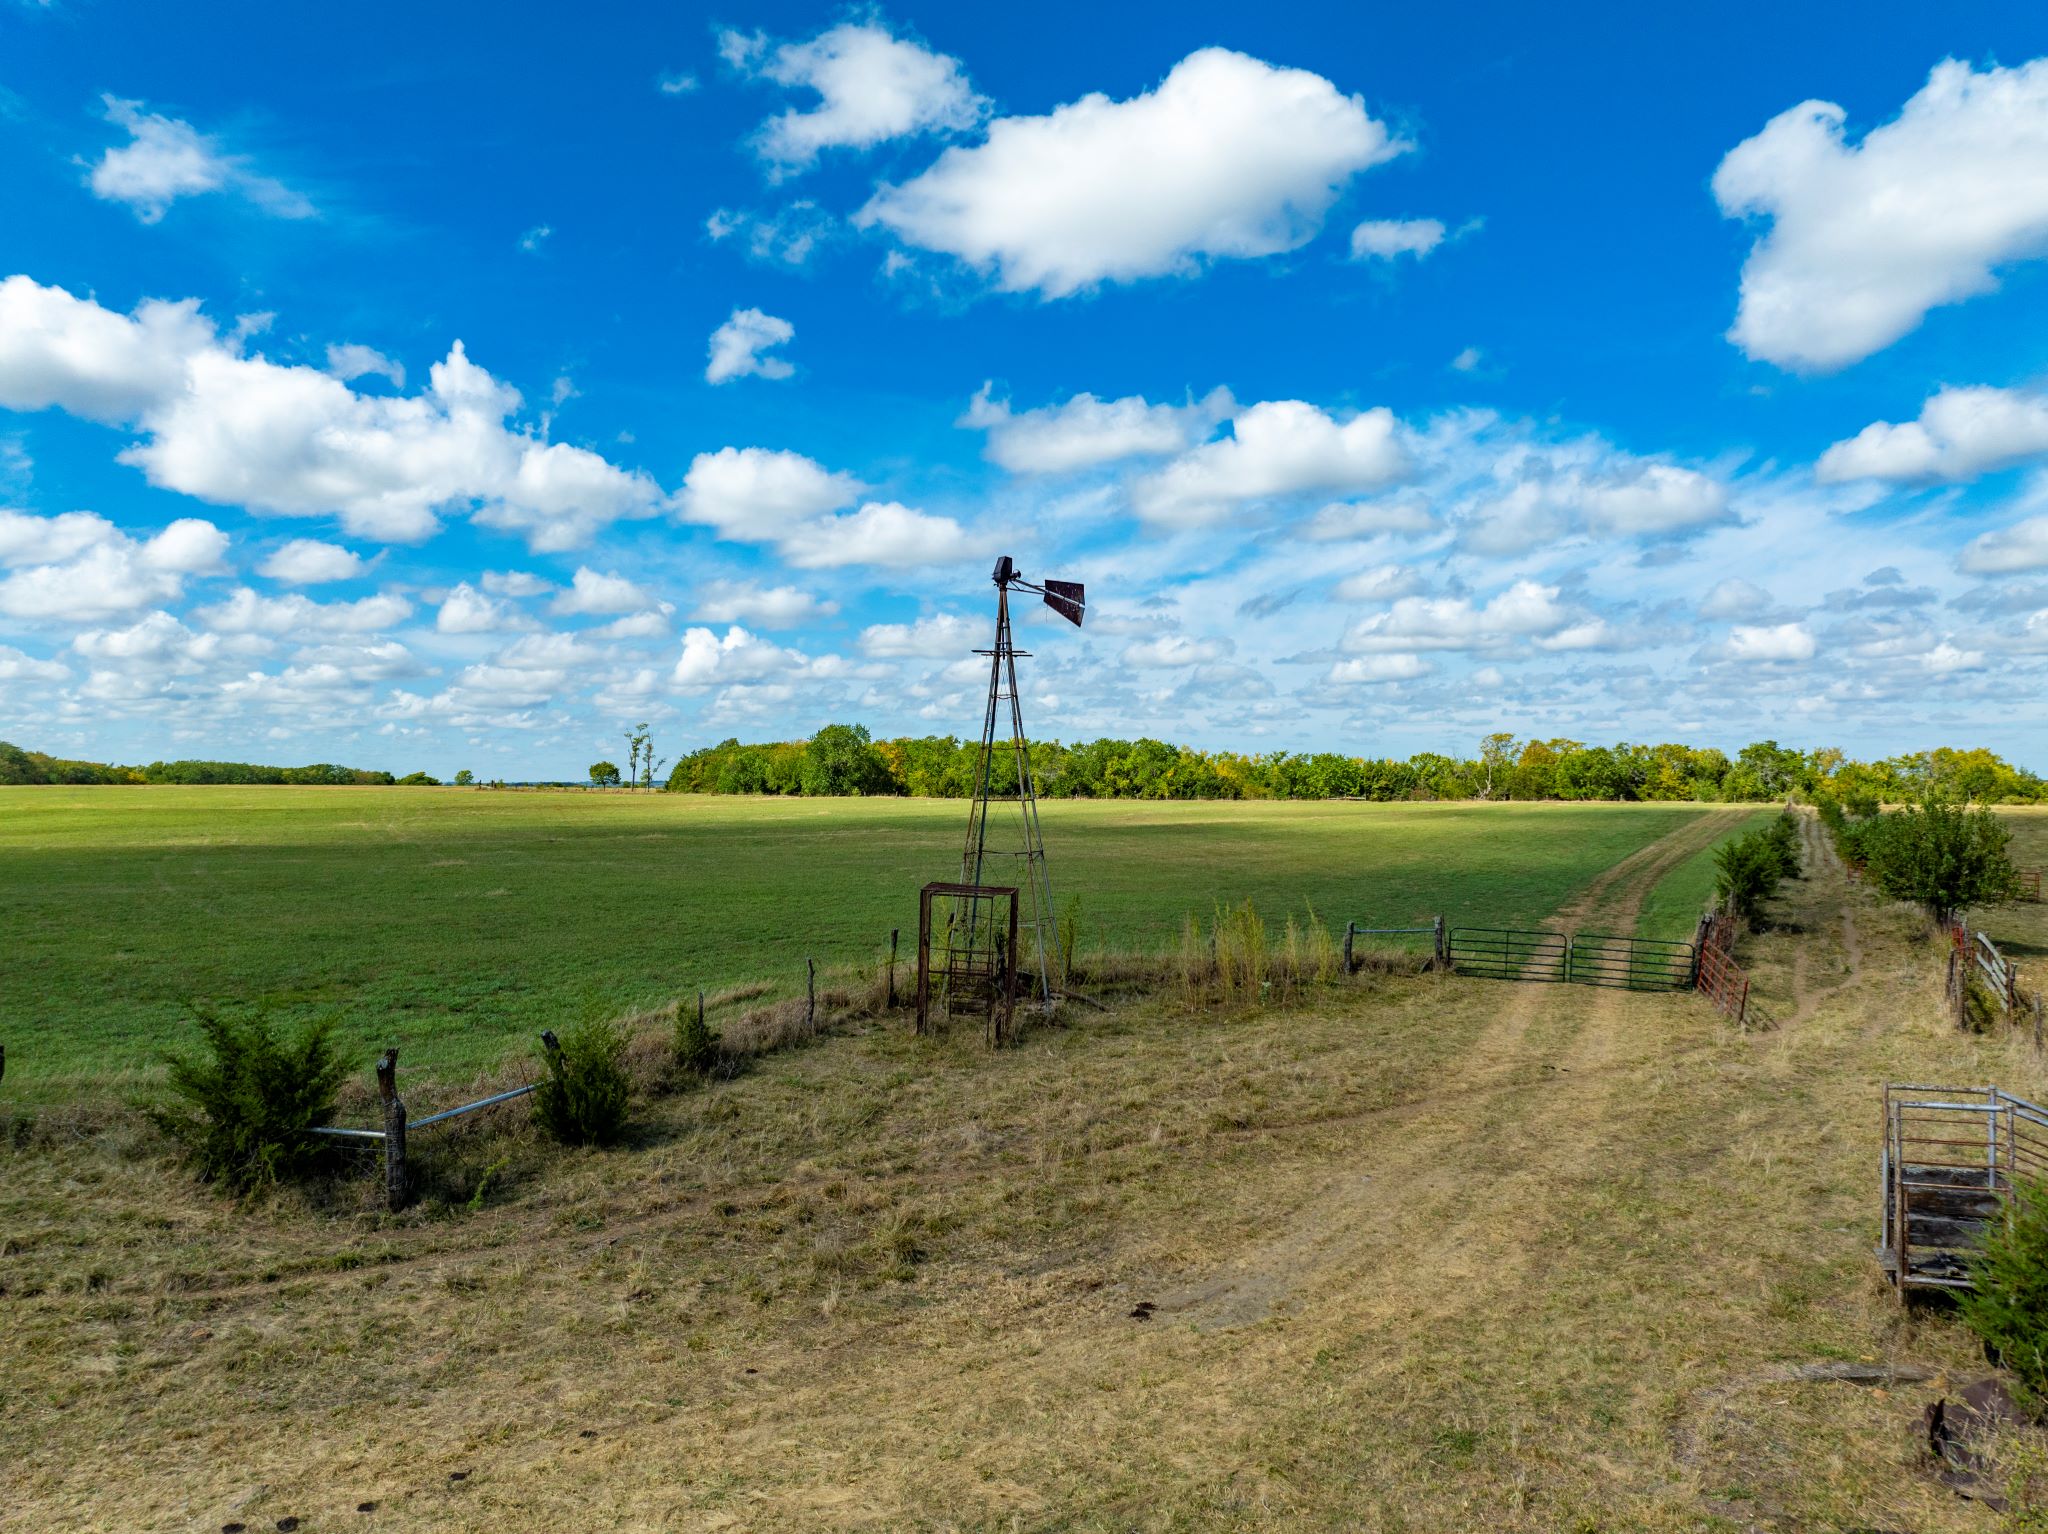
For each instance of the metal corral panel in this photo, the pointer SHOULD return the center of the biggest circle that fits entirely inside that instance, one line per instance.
(1952, 1159)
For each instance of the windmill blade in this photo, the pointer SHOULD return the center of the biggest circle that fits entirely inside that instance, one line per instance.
(1067, 598)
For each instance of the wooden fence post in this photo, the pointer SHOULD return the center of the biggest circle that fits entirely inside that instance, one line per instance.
(3, 1062)
(395, 1182)
(892, 968)
(1443, 946)
(811, 993)
(1349, 928)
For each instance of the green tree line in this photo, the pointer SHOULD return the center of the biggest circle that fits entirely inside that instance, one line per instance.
(844, 759)
(19, 766)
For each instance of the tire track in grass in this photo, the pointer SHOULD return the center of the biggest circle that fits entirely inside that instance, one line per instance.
(1543, 1033)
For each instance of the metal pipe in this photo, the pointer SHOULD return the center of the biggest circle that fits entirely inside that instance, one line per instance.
(482, 1102)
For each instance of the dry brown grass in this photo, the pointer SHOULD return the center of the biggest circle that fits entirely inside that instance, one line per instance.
(1423, 1253)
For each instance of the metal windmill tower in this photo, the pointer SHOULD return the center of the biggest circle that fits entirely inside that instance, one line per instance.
(1003, 823)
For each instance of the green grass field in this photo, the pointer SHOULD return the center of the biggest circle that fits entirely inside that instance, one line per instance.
(457, 924)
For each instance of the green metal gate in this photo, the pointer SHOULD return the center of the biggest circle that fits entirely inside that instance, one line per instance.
(1584, 958)
(1500, 953)
(1632, 963)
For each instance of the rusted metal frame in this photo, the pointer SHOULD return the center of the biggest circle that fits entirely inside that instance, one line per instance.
(997, 969)
(924, 959)
(1723, 980)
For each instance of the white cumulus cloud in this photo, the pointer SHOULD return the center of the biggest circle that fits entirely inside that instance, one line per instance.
(1542, 492)
(1373, 669)
(20, 666)
(1960, 434)
(26, 539)
(1734, 598)
(1866, 238)
(1228, 158)
(939, 636)
(465, 610)
(1382, 583)
(2023, 546)
(756, 494)
(884, 533)
(1176, 650)
(1525, 613)
(1776, 642)
(1386, 238)
(515, 583)
(350, 361)
(596, 592)
(296, 441)
(1276, 448)
(1084, 431)
(872, 86)
(773, 607)
(309, 562)
(245, 612)
(739, 347)
(166, 158)
(78, 568)
(1396, 516)
(66, 352)
(740, 656)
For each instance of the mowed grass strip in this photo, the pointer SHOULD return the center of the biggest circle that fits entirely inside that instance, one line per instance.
(1671, 910)
(458, 924)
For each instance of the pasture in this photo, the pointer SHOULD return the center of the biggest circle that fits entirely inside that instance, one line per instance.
(457, 924)
(1416, 1252)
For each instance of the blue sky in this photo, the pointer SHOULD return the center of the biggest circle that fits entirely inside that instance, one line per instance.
(412, 388)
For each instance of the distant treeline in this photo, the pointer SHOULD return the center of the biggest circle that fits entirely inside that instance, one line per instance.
(19, 766)
(844, 759)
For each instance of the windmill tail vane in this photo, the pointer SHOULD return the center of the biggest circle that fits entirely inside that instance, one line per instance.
(1015, 836)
